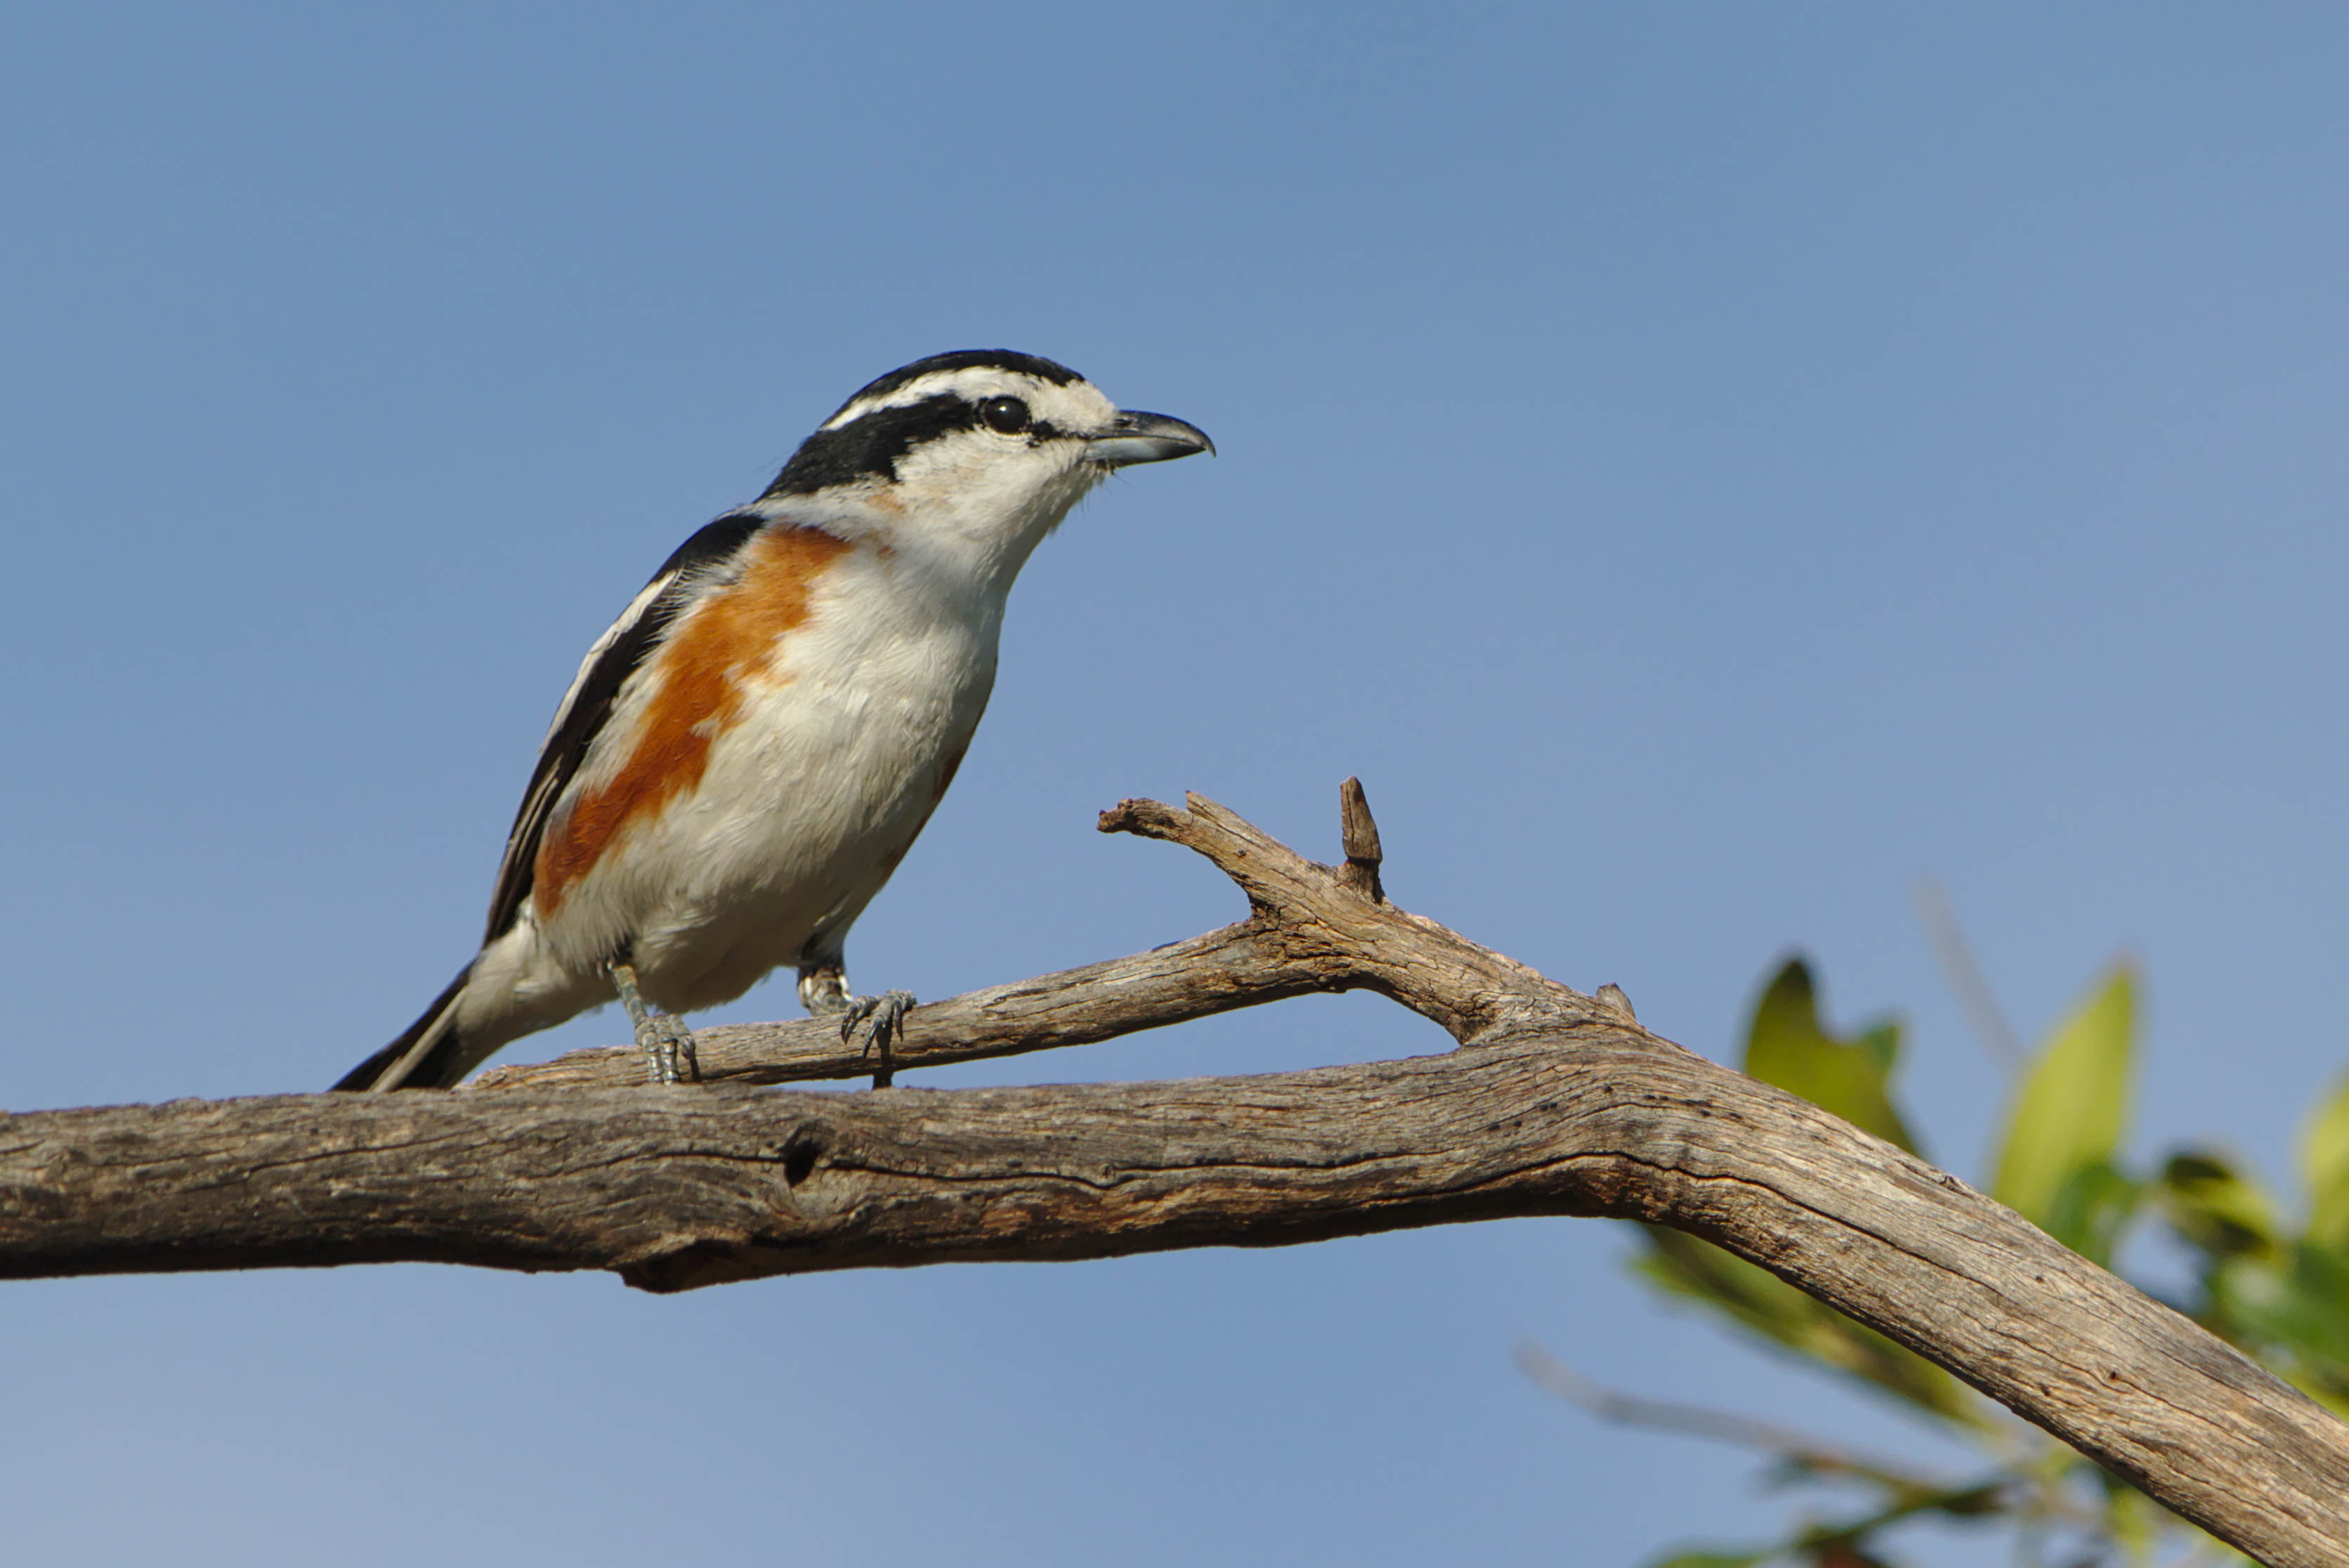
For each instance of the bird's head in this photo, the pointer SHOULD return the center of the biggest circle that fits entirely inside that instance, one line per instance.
(988, 444)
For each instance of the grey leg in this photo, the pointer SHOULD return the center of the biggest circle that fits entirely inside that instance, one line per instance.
(667, 1043)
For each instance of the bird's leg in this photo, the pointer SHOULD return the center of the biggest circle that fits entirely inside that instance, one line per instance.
(823, 991)
(667, 1042)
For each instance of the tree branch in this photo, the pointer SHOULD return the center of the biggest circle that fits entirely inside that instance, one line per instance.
(1558, 1105)
(1800, 1451)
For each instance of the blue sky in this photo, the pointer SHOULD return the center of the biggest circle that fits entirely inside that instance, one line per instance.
(1700, 466)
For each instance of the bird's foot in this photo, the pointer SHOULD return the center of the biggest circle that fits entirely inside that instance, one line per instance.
(667, 1042)
(883, 1016)
(823, 991)
(668, 1056)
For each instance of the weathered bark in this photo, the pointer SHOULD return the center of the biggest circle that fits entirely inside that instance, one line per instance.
(1555, 1103)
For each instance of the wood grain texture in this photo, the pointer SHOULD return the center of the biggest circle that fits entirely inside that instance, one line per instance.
(1217, 972)
(1553, 1104)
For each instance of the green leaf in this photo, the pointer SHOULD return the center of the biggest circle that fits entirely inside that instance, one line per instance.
(2298, 1302)
(2215, 1208)
(2324, 1169)
(1713, 1560)
(2131, 1518)
(1787, 1046)
(2093, 1208)
(1760, 1302)
(2068, 1111)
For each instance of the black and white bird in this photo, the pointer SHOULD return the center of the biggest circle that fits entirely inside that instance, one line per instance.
(750, 750)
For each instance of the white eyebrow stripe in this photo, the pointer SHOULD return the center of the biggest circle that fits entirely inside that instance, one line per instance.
(973, 383)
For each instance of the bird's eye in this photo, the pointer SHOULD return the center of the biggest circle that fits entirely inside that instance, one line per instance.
(1006, 416)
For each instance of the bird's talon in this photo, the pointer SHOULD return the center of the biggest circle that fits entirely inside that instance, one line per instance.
(883, 1015)
(672, 1058)
(665, 1042)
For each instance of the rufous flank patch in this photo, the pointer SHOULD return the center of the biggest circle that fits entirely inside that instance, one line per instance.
(700, 695)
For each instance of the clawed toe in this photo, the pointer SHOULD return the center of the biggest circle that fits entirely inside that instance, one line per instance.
(883, 1016)
(667, 1042)
(884, 1012)
(671, 1057)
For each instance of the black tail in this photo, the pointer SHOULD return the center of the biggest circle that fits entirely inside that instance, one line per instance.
(439, 1067)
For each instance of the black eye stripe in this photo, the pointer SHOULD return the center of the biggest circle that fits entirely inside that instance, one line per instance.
(869, 445)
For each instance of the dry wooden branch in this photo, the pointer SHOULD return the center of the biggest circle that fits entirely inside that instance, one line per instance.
(1556, 1103)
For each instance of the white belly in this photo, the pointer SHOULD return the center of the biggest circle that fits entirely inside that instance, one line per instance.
(806, 809)
(806, 804)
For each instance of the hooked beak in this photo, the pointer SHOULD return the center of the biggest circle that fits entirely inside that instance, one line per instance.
(1134, 438)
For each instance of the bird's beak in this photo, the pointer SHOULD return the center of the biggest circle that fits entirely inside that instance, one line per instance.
(1134, 438)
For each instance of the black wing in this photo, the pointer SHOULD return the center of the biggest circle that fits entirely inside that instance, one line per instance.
(617, 654)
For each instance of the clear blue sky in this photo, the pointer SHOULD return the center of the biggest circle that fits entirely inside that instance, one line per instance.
(1700, 465)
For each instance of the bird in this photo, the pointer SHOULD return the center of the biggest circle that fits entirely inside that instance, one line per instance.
(748, 752)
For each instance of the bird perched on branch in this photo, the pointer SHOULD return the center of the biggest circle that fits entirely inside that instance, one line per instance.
(748, 751)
